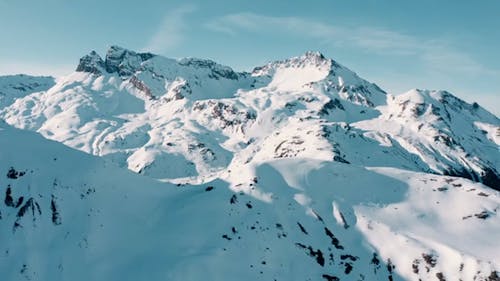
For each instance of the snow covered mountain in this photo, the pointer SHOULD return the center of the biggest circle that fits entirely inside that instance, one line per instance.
(299, 170)
(13, 87)
(144, 111)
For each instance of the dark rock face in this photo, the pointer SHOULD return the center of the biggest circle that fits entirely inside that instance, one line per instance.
(56, 217)
(9, 200)
(123, 61)
(91, 63)
(115, 57)
(118, 60)
(330, 277)
(331, 105)
(141, 86)
(491, 178)
(488, 176)
(493, 276)
(217, 71)
(29, 205)
(335, 241)
(316, 254)
(13, 174)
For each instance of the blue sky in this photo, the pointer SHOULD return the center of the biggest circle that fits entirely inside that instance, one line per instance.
(446, 44)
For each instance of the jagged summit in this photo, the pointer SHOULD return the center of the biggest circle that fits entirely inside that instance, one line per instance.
(91, 63)
(217, 69)
(313, 69)
(310, 69)
(308, 59)
(314, 58)
(127, 63)
(118, 60)
(123, 61)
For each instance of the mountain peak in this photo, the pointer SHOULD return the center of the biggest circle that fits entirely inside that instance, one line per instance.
(91, 63)
(123, 61)
(117, 49)
(217, 69)
(312, 58)
(315, 55)
(118, 60)
(439, 98)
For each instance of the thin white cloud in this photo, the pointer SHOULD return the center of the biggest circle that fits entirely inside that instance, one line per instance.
(434, 54)
(441, 58)
(232, 23)
(170, 33)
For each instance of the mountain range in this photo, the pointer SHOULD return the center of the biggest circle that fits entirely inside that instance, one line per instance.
(141, 167)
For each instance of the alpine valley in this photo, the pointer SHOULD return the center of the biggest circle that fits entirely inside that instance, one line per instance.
(141, 167)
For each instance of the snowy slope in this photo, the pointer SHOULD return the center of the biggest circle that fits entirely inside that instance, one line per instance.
(13, 87)
(94, 221)
(448, 134)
